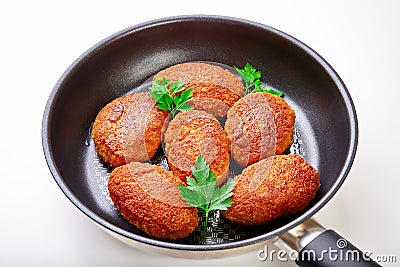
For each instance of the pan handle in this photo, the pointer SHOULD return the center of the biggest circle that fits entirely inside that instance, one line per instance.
(314, 245)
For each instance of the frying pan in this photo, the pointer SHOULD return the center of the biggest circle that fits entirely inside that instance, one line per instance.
(325, 129)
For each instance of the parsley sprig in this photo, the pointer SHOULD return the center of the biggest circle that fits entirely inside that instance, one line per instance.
(252, 79)
(171, 101)
(202, 191)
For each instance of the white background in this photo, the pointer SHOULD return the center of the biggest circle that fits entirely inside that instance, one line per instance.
(39, 40)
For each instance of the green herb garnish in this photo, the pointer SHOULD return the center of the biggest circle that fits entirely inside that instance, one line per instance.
(252, 80)
(171, 101)
(202, 191)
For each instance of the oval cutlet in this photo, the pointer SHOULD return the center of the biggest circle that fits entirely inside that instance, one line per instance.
(214, 89)
(274, 187)
(128, 129)
(148, 197)
(194, 133)
(259, 125)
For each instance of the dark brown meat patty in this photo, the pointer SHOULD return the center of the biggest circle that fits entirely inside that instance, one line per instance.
(274, 187)
(192, 133)
(128, 129)
(259, 125)
(148, 197)
(214, 89)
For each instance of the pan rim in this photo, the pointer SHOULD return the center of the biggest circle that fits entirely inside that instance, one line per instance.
(353, 134)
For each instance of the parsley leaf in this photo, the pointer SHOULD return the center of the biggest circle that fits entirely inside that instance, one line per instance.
(202, 191)
(170, 101)
(185, 96)
(252, 79)
(261, 88)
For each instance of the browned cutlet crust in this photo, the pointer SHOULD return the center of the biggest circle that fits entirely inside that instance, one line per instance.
(259, 125)
(128, 129)
(148, 197)
(192, 133)
(274, 187)
(214, 89)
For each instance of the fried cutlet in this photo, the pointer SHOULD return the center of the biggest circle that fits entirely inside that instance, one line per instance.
(214, 89)
(259, 125)
(274, 187)
(194, 133)
(148, 197)
(128, 129)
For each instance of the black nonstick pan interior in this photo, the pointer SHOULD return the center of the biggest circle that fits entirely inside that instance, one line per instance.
(326, 127)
